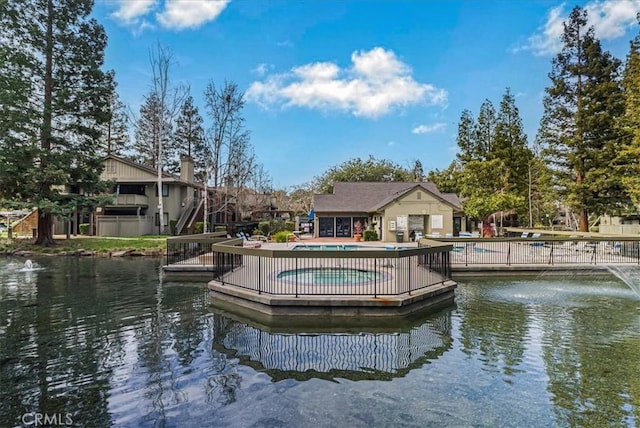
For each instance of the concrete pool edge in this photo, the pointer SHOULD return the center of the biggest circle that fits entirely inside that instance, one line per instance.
(434, 296)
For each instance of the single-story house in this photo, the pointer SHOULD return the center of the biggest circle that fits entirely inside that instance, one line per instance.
(395, 210)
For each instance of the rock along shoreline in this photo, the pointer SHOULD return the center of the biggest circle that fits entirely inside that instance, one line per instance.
(84, 253)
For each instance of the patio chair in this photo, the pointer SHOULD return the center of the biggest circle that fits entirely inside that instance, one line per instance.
(611, 247)
(616, 248)
(248, 241)
(536, 244)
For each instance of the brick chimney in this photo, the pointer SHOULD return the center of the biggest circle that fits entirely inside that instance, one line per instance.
(186, 169)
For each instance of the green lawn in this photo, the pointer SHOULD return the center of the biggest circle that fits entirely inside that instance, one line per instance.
(89, 243)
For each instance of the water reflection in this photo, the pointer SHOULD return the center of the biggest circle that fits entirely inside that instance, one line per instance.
(584, 331)
(374, 352)
(110, 344)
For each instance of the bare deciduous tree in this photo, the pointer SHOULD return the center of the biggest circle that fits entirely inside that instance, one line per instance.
(170, 98)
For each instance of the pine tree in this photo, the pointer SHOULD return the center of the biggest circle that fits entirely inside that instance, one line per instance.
(148, 130)
(51, 102)
(485, 130)
(189, 138)
(629, 157)
(510, 144)
(115, 135)
(467, 138)
(578, 129)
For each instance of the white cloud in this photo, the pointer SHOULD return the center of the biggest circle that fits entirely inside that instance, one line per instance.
(179, 14)
(129, 10)
(391, 143)
(262, 69)
(427, 129)
(175, 14)
(376, 82)
(609, 18)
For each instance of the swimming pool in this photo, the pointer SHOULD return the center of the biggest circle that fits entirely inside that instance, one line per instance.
(331, 247)
(328, 276)
(342, 247)
(475, 250)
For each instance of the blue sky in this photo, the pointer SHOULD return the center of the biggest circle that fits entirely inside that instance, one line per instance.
(327, 81)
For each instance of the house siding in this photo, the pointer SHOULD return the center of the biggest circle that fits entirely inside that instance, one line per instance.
(175, 204)
(426, 206)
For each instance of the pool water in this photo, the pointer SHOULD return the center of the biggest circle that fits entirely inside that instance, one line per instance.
(475, 250)
(112, 343)
(333, 247)
(328, 276)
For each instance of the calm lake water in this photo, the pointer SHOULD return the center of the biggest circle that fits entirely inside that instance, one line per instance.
(98, 342)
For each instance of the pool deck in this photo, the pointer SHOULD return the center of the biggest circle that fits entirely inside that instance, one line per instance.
(372, 298)
(479, 260)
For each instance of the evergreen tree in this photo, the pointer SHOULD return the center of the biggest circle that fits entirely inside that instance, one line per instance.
(150, 126)
(629, 156)
(189, 138)
(52, 103)
(510, 145)
(467, 138)
(578, 129)
(115, 135)
(485, 130)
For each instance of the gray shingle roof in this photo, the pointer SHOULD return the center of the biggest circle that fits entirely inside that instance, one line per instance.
(370, 197)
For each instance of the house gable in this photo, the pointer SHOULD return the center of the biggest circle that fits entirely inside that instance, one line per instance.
(122, 170)
(420, 194)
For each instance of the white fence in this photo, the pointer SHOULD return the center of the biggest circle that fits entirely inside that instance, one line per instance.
(114, 225)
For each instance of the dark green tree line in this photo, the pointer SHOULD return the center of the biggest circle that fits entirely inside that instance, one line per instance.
(53, 97)
(578, 132)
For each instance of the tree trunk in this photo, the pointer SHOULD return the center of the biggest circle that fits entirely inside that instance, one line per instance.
(45, 221)
(583, 221)
(45, 230)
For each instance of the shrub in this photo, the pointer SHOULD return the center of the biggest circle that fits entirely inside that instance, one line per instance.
(265, 227)
(198, 227)
(84, 228)
(220, 228)
(282, 236)
(289, 225)
(172, 226)
(370, 235)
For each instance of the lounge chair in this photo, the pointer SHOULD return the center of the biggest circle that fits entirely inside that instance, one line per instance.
(616, 248)
(248, 241)
(536, 243)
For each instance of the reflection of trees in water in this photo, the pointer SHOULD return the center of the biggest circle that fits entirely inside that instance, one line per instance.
(168, 343)
(593, 377)
(360, 355)
(57, 349)
(590, 352)
(223, 380)
(496, 330)
(63, 339)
